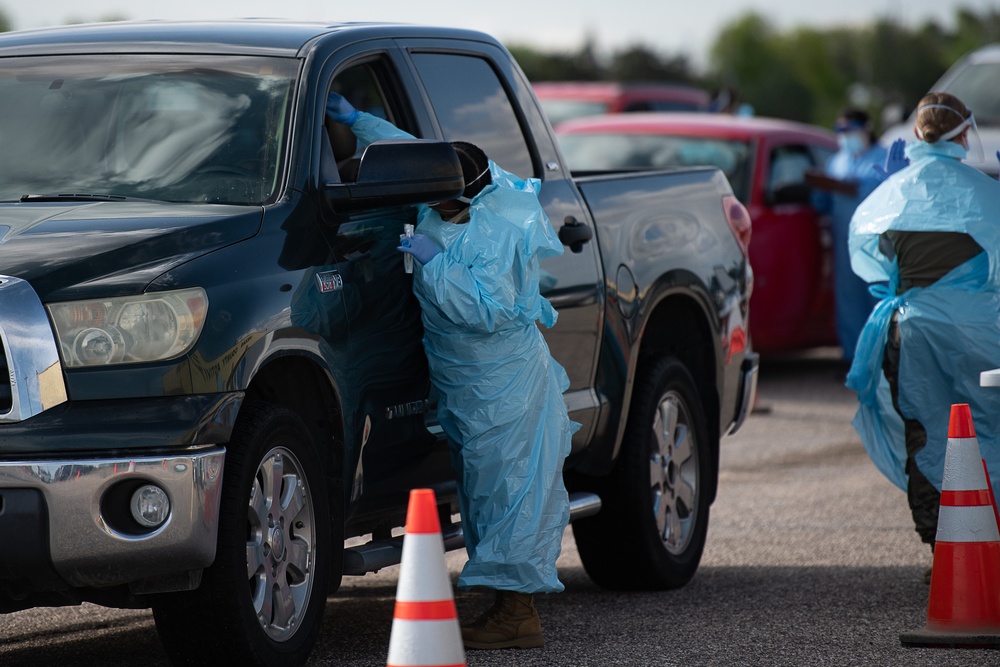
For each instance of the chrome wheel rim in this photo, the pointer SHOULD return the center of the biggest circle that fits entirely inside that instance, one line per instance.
(281, 544)
(673, 473)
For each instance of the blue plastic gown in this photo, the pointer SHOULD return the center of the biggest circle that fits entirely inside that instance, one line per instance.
(501, 401)
(950, 331)
(852, 301)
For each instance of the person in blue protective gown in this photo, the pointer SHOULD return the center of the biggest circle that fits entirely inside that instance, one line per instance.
(931, 234)
(851, 175)
(501, 403)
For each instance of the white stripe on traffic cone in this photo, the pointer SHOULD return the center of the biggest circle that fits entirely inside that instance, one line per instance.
(966, 512)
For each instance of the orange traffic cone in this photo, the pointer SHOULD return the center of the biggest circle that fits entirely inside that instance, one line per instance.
(425, 630)
(964, 606)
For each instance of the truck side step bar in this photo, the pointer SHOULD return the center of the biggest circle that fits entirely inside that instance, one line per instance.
(374, 555)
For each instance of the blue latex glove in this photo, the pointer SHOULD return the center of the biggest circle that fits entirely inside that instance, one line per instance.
(895, 159)
(339, 109)
(420, 246)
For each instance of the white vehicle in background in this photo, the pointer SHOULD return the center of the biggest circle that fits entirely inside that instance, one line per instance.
(974, 79)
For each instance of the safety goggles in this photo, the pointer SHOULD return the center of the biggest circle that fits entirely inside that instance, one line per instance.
(844, 125)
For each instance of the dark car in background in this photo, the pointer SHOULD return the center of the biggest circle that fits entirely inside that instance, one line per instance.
(765, 161)
(563, 100)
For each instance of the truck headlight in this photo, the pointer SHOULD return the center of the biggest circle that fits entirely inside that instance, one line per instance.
(132, 329)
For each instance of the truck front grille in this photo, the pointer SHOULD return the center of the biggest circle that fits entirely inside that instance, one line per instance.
(6, 396)
(32, 379)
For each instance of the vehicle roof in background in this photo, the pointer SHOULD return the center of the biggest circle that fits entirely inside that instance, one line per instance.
(607, 90)
(696, 124)
(990, 53)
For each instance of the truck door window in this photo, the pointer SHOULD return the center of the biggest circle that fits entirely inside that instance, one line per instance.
(786, 180)
(361, 87)
(472, 105)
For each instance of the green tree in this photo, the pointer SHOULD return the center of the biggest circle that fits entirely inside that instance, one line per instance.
(972, 31)
(5, 24)
(581, 65)
(903, 64)
(806, 73)
(812, 57)
(641, 63)
(750, 56)
(636, 62)
(810, 74)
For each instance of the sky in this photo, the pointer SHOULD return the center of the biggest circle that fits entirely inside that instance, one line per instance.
(670, 27)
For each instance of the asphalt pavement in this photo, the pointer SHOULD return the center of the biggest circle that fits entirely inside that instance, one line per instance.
(811, 560)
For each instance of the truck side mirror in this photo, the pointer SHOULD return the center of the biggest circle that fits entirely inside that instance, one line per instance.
(399, 173)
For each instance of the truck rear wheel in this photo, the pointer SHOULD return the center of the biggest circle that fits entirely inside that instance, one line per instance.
(651, 530)
(262, 601)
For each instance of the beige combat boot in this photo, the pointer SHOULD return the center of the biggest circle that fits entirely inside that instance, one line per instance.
(512, 622)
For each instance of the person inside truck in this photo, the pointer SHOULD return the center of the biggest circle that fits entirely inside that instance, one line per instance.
(501, 403)
(850, 175)
(930, 230)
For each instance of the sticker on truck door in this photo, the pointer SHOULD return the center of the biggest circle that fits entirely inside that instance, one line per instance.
(329, 281)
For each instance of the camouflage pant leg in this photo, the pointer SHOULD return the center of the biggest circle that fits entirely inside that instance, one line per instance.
(924, 499)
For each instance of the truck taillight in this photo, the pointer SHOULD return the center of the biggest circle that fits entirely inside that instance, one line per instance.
(739, 221)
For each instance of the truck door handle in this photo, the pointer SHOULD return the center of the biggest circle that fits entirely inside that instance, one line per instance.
(574, 234)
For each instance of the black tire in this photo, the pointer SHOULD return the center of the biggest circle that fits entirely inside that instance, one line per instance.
(651, 530)
(262, 601)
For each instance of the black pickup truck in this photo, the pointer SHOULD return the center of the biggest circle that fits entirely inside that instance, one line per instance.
(218, 398)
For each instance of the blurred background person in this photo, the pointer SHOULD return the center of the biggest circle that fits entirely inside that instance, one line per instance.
(851, 174)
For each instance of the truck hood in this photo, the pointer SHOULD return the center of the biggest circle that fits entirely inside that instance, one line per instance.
(83, 250)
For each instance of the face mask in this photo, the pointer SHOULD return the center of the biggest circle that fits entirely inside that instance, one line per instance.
(851, 142)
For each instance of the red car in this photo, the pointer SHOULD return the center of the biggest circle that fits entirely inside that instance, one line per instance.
(563, 100)
(765, 160)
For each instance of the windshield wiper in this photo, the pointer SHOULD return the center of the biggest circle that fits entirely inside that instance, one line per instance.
(79, 197)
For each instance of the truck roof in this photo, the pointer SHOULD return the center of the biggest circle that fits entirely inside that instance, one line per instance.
(245, 36)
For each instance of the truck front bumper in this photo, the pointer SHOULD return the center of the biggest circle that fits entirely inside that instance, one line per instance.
(77, 510)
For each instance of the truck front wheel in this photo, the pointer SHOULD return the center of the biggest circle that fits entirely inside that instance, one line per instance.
(651, 529)
(262, 600)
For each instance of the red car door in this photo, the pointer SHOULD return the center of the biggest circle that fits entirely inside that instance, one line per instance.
(792, 302)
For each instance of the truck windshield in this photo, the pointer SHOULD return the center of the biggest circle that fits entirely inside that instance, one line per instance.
(612, 152)
(173, 128)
